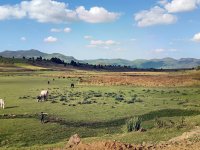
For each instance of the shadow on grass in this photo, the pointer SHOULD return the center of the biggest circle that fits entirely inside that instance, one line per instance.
(119, 122)
(111, 123)
(11, 107)
(169, 113)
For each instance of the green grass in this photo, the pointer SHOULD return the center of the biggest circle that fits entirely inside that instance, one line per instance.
(104, 116)
(28, 66)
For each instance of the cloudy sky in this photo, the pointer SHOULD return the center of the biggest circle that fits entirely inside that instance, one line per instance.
(89, 29)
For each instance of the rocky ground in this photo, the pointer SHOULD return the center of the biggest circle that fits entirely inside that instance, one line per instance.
(187, 141)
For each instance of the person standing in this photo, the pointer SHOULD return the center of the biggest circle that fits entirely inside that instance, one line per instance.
(42, 117)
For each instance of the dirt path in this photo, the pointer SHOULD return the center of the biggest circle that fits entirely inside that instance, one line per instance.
(187, 141)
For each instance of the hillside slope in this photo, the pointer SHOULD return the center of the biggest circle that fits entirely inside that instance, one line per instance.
(35, 53)
(165, 63)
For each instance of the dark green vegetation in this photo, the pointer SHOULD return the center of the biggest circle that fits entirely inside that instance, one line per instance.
(134, 124)
(166, 63)
(93, 111)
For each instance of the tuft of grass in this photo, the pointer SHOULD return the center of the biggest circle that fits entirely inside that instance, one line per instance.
(133, 124)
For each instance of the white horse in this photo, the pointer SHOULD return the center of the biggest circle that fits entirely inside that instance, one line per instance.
(2, 103)
(43, 95)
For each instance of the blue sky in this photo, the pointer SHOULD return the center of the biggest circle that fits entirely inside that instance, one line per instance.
(90, 29)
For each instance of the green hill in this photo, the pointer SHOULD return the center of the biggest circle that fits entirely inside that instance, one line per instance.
(21, 53)
(67, 59)
(35, 53)
(116, 62)
(165, 63)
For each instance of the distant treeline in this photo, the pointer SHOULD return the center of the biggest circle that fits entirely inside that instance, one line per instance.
(79, 65)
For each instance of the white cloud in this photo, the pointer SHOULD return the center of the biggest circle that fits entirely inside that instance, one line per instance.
(96, 15)
(56, 30)
(67, 30)
(88, 37)
(11, 12)
(162, 50)
(102, 44)
(50, 39)
(162, 2)
(23, 38)
(48, 11)
(52, 11)
(196, 37)
(181, 5)
(159, 50)
(154, 16)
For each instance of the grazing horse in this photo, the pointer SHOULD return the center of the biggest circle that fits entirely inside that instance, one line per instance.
(43, 95)
(2, 103)
(72, 85)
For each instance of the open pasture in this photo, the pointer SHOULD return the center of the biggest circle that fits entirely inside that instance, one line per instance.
(97, 107)
(141, 79)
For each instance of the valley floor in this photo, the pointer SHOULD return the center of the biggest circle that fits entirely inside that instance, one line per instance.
(97, 108)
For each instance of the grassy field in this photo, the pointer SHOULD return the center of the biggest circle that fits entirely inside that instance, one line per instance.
(96, 109)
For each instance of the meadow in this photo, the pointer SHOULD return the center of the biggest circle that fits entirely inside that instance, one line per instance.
(97, 108)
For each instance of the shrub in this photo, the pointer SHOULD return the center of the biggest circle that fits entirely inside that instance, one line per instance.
(139, 100)
(63, 98)
(148, 91)
(97, 95)
(181, 123)
(135, 95)
(133, 124)
(159, 123)
(119, 98)
(86, 102)
(131, 101)
(184, 94)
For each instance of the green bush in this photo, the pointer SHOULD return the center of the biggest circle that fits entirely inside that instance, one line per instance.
(119, 98)
(133, 124)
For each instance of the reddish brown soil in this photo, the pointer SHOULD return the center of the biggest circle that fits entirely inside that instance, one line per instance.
(187, 141)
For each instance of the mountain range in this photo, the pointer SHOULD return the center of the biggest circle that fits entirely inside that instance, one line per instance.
(165, 63)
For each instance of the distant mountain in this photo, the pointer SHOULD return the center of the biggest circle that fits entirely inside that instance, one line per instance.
(116, 62)
(35, 53)
(67, 59)
(21, 53)
(168, 63)
(165, 63)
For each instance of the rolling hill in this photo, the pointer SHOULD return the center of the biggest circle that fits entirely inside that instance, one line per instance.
(35, 53)
(165, 63)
